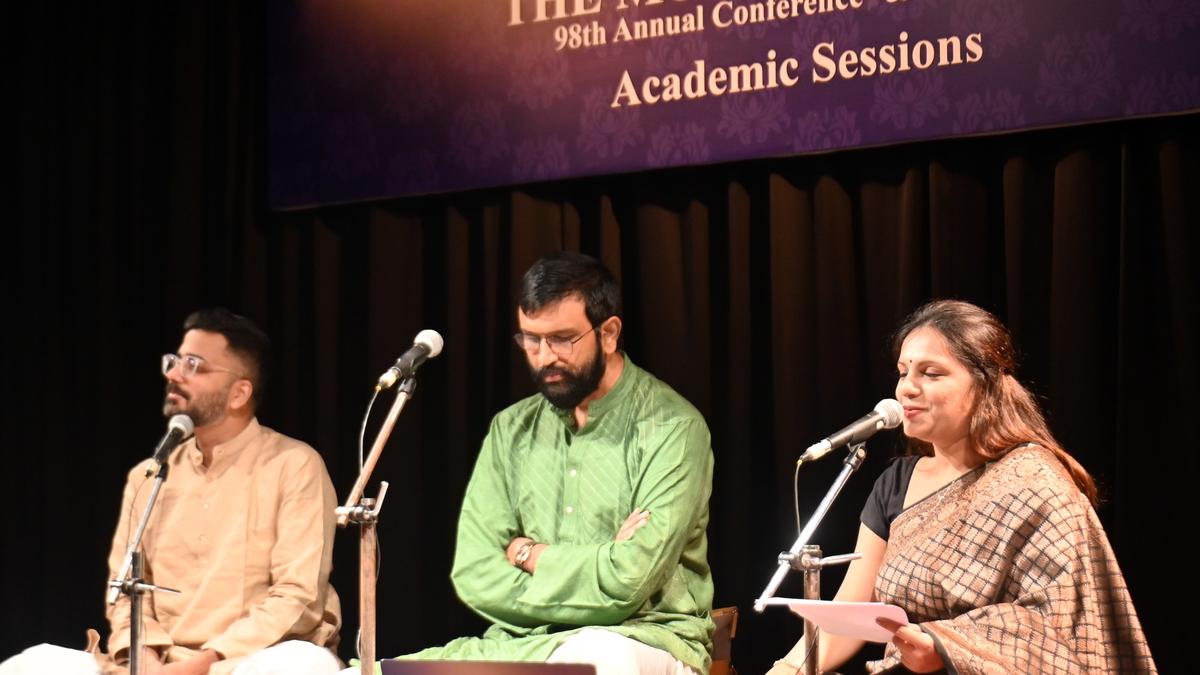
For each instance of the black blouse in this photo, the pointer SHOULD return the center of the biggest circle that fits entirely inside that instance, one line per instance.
(887, 497)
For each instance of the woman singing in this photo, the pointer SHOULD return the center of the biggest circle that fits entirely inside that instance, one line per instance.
(985, 534)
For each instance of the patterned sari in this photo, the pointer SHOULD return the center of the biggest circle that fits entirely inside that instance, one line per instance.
(1009, 569)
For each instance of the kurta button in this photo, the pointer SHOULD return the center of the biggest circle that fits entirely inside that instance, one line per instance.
(570, 509)
(572, 473)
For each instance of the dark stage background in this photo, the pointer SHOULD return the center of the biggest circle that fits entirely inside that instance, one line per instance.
(763, 291)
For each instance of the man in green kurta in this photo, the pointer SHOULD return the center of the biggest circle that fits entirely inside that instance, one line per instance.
(582, 535)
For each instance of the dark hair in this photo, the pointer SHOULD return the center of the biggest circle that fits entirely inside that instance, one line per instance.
(563, 274)
(247, 341)
(1005, 414)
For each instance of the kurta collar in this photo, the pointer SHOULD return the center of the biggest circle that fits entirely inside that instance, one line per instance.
(224, 453)
(610, 401)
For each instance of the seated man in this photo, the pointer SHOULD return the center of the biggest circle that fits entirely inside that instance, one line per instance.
(582, 537)
(243, 528)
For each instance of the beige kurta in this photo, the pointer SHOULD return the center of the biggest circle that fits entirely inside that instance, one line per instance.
(248, 541)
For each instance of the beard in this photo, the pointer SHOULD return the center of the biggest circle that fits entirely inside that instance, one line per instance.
(204, 409)
(570, 391)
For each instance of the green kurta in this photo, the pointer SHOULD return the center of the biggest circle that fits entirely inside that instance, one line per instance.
(643, 446)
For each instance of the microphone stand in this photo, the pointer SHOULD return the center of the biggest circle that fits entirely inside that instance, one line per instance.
(807, 559)
(129, 580)
(364, 512)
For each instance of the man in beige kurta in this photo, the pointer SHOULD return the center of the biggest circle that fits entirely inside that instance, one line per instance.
(243, 528)
(248, 540)
(244, 524)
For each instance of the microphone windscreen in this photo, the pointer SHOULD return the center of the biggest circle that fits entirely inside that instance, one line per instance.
(182, 423)
(891, 411)
(432, 340)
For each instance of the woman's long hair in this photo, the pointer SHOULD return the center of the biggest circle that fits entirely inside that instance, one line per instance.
(1005, 414)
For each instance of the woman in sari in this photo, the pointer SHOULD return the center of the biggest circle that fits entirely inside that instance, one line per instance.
(985, 534)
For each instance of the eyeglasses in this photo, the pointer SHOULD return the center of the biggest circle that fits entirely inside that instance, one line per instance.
(190, 365)
(560, 345)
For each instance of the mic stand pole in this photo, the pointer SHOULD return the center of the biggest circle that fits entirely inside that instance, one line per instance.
(364, 512)
(807, 559)
(129, 580)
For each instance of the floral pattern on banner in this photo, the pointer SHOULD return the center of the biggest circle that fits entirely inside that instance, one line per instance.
(988, 111)
(1161, 92)
(907, 102)
(1078, 72)
(1159, 19)
(480, 137)
(753, 117)
(604, 131)
(683, 143)
(540, 159)
(826, 129)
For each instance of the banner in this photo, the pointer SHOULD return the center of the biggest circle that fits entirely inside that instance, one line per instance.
(372, 99)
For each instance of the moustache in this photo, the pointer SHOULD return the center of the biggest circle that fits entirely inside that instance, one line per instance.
(174, 389)
(543, 373)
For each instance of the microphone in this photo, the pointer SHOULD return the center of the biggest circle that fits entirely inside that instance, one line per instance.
(426, 345)
(886, 415)
(179, 429)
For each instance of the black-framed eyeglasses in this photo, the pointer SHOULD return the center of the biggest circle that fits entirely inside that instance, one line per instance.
(190, 365)
(559, 344)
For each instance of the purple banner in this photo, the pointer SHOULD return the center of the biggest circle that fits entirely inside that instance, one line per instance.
(372, 99)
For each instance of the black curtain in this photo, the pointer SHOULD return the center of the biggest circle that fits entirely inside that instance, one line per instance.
(763, 291)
